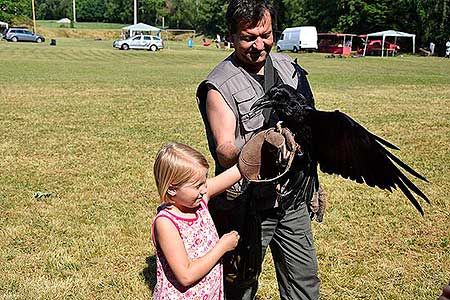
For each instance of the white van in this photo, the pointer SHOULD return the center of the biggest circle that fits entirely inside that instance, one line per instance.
(298, 38)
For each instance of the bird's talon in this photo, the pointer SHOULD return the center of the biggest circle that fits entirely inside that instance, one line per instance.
(278, 126)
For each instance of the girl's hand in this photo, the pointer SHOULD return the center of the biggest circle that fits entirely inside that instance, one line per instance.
(229, 240)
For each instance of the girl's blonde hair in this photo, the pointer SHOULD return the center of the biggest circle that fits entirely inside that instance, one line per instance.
(175, 165)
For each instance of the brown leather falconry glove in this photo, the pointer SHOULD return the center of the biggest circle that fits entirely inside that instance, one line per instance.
(268, 155)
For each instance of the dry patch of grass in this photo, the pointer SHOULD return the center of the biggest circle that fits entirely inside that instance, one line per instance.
(108, 34)
(83, 121)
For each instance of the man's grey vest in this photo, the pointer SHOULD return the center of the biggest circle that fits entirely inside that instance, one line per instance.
(240, 90)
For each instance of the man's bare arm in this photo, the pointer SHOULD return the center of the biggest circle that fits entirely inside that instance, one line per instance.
(223, 125)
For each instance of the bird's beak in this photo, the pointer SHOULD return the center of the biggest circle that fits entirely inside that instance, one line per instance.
(261, 103)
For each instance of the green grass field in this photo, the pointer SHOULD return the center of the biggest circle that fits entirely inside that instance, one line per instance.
(83, 122)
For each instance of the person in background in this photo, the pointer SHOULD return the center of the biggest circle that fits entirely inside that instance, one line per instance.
(218, 40)
(447, 50)
(188, 248)
(432, 46)
(225, 99)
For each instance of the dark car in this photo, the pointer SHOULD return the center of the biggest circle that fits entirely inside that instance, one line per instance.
(22, 35)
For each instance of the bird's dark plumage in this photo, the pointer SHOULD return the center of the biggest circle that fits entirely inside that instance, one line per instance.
(340, 145)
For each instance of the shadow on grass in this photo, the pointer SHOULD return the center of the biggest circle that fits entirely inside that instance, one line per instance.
(149, 272)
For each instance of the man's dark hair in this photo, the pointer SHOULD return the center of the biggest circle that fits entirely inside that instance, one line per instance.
(247, 12)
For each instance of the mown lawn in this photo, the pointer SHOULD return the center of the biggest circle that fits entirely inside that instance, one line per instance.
(83, 122)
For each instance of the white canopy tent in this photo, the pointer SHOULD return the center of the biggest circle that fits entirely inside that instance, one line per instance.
(64, 21)
(3, 24)
(141, 27)
(390, 33)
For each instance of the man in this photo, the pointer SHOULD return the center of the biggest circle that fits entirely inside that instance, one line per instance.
(447, 50)
(225, 99)
(432, 46)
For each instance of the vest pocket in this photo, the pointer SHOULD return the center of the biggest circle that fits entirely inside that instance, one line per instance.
(250, 120)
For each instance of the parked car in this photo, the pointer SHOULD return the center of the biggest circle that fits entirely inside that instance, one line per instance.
(148, 42)
(374, 47)
(22, 35)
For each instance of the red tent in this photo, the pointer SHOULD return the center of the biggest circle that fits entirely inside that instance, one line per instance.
(389, 33)
(336, 43)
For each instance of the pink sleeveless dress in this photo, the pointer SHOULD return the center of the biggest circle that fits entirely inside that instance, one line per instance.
(199, 235)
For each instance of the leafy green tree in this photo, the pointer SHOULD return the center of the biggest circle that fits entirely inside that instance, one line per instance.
(119, 11)
(152, 11)
(211, 17)
(53, 9)
(358, 16)
(292, 13)
(435, 17)
(91, 10)
(319, 13)
(428, 19)
(182, 13)
(13, 9)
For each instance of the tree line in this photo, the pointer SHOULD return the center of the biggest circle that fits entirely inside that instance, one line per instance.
(428, 19)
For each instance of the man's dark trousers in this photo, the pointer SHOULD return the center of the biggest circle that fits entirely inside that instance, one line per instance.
(289, 236)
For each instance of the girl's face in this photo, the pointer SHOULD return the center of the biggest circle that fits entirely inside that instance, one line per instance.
(189, 195)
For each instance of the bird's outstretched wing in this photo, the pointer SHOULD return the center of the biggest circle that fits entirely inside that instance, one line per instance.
(342, 146)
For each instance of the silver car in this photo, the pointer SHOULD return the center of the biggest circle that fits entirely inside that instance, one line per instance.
(22, 35)
(147, 42)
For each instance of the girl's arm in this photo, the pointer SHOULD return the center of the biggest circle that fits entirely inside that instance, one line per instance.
(188, 272)
(223, 181)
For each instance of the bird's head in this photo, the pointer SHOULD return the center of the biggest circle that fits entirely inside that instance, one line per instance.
(284, 99)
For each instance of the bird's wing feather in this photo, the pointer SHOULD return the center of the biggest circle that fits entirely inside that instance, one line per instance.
(343, 147)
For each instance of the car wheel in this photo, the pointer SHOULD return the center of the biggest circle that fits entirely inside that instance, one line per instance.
(278, 49)
(14, 39)
(125, 47)
(38, 40)
(295, 50)
(153, 48)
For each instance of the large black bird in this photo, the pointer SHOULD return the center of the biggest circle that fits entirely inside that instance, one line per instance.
(339, 144)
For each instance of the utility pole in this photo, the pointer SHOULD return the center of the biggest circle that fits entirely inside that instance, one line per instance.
(34, 16)
(74, 12)
(135, 12)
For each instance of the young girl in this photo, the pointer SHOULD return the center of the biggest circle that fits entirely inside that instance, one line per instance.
(188, 248)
